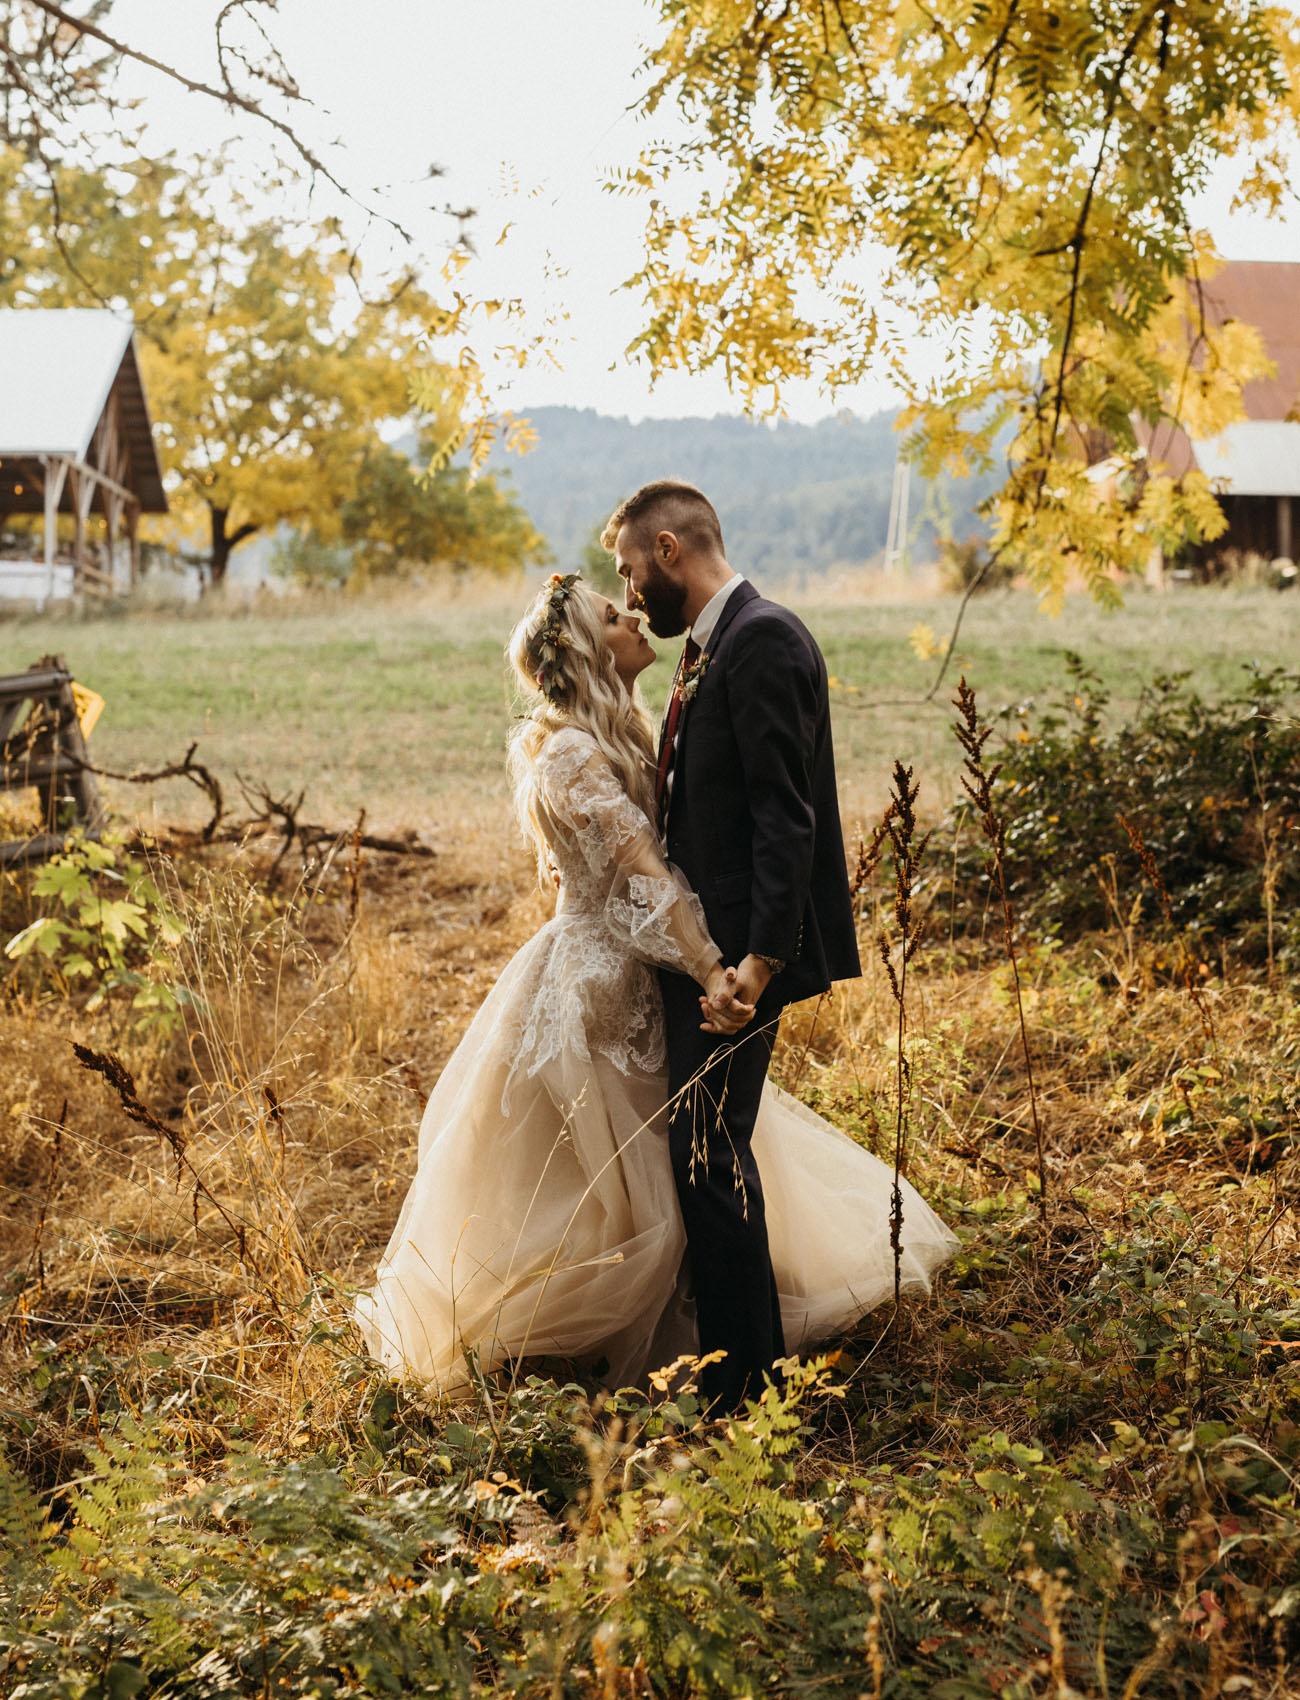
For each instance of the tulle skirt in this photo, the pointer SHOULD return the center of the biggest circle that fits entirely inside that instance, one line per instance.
(543, 1220)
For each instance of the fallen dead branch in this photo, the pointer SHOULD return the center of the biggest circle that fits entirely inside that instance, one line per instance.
(318, 844)
(186, 768)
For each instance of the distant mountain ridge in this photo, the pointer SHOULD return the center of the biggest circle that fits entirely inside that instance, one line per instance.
(793, 499)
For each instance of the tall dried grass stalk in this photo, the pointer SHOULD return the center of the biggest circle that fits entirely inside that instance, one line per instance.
(119, 1078)
(1191, 969)
(978, 782)
(870, 850)
(876, 1593)
(1272, 831)
(900, 827)
(36, 1258)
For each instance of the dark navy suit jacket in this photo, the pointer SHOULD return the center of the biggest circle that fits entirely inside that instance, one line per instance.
(753, 818)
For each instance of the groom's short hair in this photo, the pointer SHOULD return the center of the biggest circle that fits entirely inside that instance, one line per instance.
(666, 505)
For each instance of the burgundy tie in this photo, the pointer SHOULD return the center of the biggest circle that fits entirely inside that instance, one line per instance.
(690, 655)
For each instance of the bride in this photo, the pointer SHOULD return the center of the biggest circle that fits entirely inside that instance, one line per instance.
(543, 1217)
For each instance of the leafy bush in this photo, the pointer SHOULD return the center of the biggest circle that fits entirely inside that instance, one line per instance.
(1156, 1322)
(704, 1568)
(305, 559)
(1213, 788)
(105, 925)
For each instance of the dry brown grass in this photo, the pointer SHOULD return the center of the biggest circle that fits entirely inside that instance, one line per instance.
(323, 1020)
(293, 1096)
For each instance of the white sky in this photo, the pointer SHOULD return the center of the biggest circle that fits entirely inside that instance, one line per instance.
(502, 92)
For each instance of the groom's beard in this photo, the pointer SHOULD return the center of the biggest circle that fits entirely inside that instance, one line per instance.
(664, 602)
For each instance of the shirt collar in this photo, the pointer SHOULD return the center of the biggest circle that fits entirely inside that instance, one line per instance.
(707, 618)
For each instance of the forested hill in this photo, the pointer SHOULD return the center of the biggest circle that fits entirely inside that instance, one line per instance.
(794, 499)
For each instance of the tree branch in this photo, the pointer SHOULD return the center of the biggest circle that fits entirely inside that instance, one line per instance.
(227, 96)
(1080, 236)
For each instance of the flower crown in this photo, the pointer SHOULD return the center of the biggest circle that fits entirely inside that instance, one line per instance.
(551, 638)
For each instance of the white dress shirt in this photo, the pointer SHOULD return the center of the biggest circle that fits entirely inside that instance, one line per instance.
(701, 631)
(708, 616)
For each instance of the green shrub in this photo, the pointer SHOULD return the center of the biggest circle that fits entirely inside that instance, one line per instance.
(708, 1566)
(1212, 787)
(106, 926)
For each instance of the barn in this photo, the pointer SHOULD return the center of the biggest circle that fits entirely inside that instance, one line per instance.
(77, 454)
(1255, 463)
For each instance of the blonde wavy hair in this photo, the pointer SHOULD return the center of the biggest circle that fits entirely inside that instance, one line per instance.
(582, 688)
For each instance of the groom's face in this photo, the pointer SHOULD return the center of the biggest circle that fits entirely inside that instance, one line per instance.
(650, 587)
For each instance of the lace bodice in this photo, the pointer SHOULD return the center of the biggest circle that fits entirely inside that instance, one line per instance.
(622, 911)
(610, 863)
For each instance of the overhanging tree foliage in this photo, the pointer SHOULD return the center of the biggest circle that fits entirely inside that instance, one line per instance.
(1030, 170)
(62, 108)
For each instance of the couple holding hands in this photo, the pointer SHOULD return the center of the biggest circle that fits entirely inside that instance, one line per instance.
(605, 1173)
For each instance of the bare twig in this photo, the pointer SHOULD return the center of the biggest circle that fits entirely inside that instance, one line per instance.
(185, 768)
(226, 95)
(271, 810)
(269, 814)
(978, 782)
(354, 869)
(282, 815)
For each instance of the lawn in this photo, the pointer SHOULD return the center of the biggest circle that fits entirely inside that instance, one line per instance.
(401, 704)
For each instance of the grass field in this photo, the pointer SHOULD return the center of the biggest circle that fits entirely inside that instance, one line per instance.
(401, 705)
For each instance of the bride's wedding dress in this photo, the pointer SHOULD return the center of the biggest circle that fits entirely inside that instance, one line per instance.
(543, 1218)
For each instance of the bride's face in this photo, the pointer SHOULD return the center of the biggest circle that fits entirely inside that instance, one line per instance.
(626, 640)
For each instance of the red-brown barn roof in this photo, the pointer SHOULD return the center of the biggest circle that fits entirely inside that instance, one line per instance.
(1266, 294)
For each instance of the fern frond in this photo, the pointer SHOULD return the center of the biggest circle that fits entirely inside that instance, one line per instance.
(111, 1504)
(24, 1527)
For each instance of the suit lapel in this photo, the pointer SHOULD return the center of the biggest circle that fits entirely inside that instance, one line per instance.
(743, 593)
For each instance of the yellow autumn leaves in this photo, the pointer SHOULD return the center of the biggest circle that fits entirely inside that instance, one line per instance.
(1029, 175)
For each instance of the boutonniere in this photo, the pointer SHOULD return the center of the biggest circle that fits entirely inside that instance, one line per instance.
(692, 675)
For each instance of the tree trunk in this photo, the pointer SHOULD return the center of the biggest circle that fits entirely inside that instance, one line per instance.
(223, 542)
(219, 559)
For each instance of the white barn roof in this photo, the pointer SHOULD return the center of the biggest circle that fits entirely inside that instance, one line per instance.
(56, 370)
(58, 367)
(1257, 457)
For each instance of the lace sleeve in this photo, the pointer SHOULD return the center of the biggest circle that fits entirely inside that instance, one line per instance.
(650, 908)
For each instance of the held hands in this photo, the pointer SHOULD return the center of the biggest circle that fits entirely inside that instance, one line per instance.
(730, 995)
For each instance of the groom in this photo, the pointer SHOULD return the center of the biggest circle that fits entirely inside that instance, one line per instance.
(747, 801)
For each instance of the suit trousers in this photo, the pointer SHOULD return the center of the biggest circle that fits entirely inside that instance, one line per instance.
(715, 1084)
